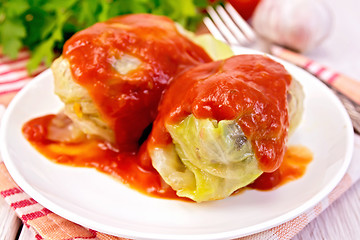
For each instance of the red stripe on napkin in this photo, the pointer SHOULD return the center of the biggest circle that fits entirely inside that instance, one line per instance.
(23, 203)
(37, 214)
(15, 80)
(38, 237)
(10, 192)
(7, 61)
(14, 75)
(332, 78)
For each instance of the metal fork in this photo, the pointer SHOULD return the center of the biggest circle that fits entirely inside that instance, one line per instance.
(226, 24)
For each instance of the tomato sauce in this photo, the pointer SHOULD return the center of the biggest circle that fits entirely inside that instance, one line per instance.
(294, 165)
(135, 169)
(249, 88)
(128, 102)
(131, 168)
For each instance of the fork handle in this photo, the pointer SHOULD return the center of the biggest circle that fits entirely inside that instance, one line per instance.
(344, 84)
(347, 86)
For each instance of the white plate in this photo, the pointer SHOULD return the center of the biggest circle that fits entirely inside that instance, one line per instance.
(95, 200)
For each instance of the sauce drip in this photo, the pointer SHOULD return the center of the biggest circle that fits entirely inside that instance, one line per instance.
(294, 165)
(251, 89)
(133, 169)
(128, 102)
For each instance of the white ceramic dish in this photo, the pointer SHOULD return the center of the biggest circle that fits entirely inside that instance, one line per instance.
(95, 200)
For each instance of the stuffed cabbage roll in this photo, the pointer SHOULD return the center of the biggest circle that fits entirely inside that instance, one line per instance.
(111, 76)
(222, 124)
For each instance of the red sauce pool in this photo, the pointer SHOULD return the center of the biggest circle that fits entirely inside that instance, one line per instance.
(135, 169)
(294, 165)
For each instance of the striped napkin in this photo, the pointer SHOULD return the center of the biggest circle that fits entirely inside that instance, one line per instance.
(46, 225)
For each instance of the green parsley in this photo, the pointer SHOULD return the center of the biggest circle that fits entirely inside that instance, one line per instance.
(42, 26)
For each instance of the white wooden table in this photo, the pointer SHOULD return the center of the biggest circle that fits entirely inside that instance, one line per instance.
(341, 51)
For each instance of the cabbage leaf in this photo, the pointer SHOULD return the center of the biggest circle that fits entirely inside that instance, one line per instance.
(208, 160)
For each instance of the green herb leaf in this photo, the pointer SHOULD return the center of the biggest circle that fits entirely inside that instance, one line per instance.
(15, 8)
(44, 25)
(44, 51)
(12, 33)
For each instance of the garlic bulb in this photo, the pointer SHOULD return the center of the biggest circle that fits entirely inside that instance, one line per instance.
(297, 24)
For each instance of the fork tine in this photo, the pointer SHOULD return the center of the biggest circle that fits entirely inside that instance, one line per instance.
(231, 25)
(243, 25)
(221, 26)
(213, 29)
